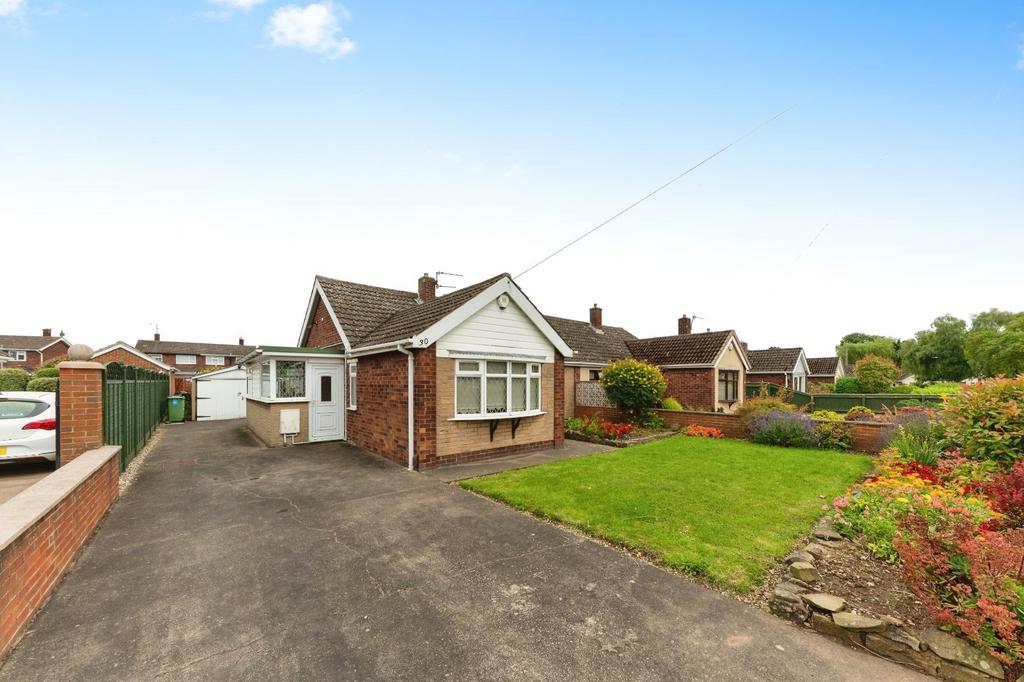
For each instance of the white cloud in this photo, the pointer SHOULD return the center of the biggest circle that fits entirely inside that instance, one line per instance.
(9, 8)
(244, 5)
(314, 28)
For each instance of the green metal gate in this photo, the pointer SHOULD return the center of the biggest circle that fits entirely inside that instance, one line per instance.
(134, 403)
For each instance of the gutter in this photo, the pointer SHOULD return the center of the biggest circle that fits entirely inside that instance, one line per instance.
(410, 372)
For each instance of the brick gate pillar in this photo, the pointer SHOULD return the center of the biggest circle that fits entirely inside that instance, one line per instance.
(80, 397)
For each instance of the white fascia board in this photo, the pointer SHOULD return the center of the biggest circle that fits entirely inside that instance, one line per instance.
(199, 377)
(437, 330)
(136, 352)
(319, 291)
(801, 361)
(582, 363)
(59, 339)
(735, 343)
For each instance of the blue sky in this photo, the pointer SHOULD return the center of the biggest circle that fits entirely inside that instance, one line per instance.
(194, 164)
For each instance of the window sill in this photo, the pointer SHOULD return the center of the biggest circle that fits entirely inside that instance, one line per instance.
(277, 400)
(351, 409)
(492, 417)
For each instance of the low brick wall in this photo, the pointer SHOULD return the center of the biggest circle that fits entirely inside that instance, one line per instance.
(866, 435)
(42, 529)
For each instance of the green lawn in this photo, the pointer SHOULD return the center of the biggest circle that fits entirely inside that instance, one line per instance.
(725, 510)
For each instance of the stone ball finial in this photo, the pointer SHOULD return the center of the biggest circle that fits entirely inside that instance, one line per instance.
(79, 352)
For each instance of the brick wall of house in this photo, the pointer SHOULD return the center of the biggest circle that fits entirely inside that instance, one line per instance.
(379, 422)
(264, 420)
(57, 350)
(777, 379)
(425, 406)
(200, 363)
(559, 395)
(35, 359)
(80, 400)
(866, 435)
(691, 387)
(322, 332)
(36, 559)
(126, 358)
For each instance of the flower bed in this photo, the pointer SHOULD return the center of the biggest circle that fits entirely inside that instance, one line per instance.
(597, 429)
(946, 504)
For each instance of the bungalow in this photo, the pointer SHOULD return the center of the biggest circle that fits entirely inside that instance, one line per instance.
(189, 357)
(781, 366)
(418, 378)
(120, 351)
(705, 371)
(31, 352)
(824, 370)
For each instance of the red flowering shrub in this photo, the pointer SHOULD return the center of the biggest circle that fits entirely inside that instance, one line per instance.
(1006, 491)
(600, 427)
(703, 431)
(970, 579)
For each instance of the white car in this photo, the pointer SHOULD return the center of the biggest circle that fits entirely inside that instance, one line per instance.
(28, 425)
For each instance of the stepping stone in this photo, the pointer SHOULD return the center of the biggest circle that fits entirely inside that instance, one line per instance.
(805, 571)
(857, 622)
(825, 602)
(959, 651)
(799, 556)
(815, 550)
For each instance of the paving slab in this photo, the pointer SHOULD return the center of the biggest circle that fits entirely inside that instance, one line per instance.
(227, 560)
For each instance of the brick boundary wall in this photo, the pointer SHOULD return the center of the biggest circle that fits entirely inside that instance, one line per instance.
(866, 435)
(42, 530)
(489, 453)
(80, 399)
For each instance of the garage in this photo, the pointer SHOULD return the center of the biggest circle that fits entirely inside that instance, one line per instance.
(219, 395)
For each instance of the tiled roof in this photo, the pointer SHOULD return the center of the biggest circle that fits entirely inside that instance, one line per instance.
(360, 308)
(413, 319)
(683, 349)
(13, 342)
(824, 366)
(590, 345)
(773, 359)
(192, 348)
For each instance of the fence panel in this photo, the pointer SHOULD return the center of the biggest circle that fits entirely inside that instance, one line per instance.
(134, 402)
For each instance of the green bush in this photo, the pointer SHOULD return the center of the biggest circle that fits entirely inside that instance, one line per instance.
(876, 374)
(13, 379)
(986, 421)
(899, 388)
(859, 413)
(47, 384)
(53, 363)
(634, 387)
(827, 416)
(847, 385)
(941, 388)
(574, 424)
(44, 372)
(751, 408)
(671, 403)
(834, 435)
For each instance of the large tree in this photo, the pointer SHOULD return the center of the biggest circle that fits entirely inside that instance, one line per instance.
(995, 344)
(937, 353)
(857, 345)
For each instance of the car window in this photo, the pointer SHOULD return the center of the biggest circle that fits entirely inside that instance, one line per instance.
(20, 409)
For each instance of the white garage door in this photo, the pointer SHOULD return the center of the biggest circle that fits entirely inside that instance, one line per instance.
(221, 395)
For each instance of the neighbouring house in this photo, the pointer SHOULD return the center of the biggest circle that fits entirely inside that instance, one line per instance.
(189, 357)
(119, 351)
(824, 370)
(781, 366)
(32, 352)
(418, 378)
(593, 345)
(704, 371)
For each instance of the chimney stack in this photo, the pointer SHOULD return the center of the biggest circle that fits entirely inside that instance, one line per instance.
(156, 336)
(241, 341)
(746, 348)
(427, 287)
(47, 332)
(595, 317)
(685, 325)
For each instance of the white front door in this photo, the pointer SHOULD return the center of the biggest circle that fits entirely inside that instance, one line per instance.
(325, 410)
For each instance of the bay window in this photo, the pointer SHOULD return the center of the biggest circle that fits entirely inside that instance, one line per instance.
(291, 378)
(496, 388)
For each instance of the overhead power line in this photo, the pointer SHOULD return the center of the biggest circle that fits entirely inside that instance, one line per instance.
(653, 192)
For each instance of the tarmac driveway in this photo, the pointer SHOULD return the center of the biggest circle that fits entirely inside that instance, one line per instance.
(226, 560)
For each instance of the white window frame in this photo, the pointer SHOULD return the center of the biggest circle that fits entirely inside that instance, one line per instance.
(215, 360)
(157, 356)
(534, 371)
(19, 355)
(351, 384)
(178, 359)
(254, 383)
